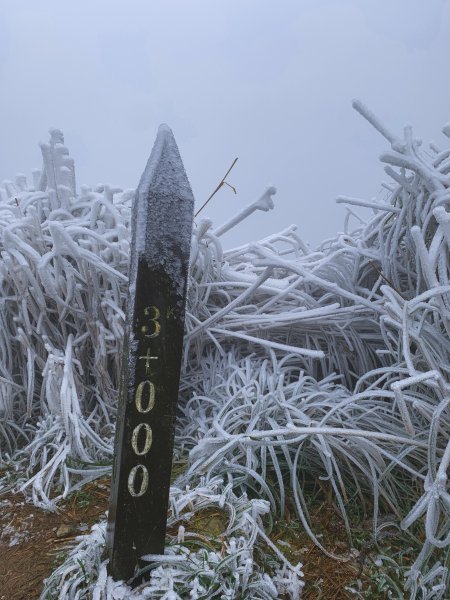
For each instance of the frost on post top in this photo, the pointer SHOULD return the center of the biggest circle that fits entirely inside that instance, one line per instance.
(163, 205)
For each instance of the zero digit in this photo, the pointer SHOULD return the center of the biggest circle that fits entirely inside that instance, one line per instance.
(148, 439)
(144, 482)
(151, 396)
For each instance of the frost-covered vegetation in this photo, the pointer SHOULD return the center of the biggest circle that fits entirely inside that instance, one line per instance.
(299, 365)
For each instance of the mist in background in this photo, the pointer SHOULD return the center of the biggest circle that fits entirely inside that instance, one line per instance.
(268, 82)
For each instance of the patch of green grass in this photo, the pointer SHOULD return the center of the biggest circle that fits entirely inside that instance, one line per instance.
(83, 498)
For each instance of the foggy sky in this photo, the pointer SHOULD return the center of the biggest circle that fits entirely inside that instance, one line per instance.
(268, 82)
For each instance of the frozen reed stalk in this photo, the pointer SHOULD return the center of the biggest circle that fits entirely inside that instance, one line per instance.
(365, 112)
(264, 203)
(365, 203)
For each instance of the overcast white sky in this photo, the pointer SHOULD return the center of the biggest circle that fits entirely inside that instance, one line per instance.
(268, 81)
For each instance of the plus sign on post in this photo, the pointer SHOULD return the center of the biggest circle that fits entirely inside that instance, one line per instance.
(161, 235)
(147, 359)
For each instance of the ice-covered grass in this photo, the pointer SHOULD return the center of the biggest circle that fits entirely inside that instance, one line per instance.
(298, 364)
(195, 565)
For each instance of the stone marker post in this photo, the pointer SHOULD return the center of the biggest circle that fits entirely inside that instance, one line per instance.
(161, 236)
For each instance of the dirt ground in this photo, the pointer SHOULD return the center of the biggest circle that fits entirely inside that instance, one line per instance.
(33, 542)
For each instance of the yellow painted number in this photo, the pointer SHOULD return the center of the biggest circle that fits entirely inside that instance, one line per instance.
(144, 481)
(141, 395)
(148, 439)
(153, 313)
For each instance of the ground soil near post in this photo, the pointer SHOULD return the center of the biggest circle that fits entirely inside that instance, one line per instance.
(34, 541)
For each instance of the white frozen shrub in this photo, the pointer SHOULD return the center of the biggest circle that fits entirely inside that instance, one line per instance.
(62, 284)
(331, 363)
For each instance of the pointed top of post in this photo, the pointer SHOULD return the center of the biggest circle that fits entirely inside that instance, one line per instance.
(164, 173)
(163, 208)
(164, 128)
